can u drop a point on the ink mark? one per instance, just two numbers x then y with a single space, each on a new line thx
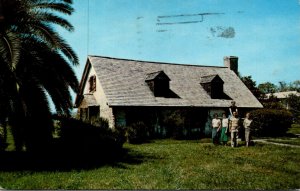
161 30
182 17
222 32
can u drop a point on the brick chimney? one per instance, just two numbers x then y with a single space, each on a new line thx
232 63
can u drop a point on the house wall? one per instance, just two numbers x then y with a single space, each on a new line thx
164 121
105 111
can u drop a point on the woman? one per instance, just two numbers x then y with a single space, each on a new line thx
224 129
216 124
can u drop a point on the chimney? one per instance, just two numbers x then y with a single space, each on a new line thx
232 63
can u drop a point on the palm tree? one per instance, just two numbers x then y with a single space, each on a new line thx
35 61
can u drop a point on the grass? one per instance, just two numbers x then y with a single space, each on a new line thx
295 129
171 164
291 141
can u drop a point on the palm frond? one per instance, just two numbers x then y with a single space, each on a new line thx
59 7
45 32
51 18
10 48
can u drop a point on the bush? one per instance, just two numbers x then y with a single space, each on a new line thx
120 134
137 133
270 122
78 136
3 135
174 121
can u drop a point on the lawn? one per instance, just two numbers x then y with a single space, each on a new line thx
170 164
295 129
284 140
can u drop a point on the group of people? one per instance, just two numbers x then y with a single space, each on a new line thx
231 124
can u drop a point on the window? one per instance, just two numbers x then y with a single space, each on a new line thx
159 84
213 85
92 84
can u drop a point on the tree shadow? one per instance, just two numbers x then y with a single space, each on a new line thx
68 161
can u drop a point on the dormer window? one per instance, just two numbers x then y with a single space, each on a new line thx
92 84
213 85
159 83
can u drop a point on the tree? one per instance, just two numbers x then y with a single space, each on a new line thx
34 61
294 106
267 87
251 85
296 85
283 86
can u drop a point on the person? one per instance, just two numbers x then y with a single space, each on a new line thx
247 122
216 124
224 129
232 108
233 127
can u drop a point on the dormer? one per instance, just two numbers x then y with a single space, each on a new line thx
159 83
213 85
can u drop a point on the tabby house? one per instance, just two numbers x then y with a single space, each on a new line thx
129 91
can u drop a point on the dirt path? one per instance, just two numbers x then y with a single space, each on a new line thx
280 144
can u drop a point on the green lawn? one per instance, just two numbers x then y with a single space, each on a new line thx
170 164
291 141
295 129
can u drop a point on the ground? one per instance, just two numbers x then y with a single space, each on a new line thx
164 164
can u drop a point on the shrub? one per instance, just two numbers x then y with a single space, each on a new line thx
137 133
270 122
78 136
99 122
120 134
174 121
3 134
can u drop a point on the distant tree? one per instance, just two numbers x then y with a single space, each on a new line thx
292 86
296 85
267 87
251 85
283 86
294 106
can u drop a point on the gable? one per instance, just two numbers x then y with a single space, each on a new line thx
159 75
125 84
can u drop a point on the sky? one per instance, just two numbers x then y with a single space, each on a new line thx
264 34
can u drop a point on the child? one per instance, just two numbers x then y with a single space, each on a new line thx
224 129
232 108
247 122
216 124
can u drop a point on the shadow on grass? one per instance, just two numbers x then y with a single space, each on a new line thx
67 161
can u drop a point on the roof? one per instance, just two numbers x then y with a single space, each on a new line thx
209 78
123 82
88 100
282 95
154 75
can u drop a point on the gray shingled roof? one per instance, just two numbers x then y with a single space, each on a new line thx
208 79
153 75
123 82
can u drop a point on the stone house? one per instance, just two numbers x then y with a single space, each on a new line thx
125 91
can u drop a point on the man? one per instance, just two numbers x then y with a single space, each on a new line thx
233 128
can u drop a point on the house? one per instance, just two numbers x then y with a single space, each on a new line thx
125 91
282 97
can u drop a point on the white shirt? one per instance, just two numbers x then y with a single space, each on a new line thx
225 122
215 123
247 123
